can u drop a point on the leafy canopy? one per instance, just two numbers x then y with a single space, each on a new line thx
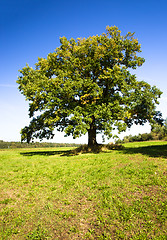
85 86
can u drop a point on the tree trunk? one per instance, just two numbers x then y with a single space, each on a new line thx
92 134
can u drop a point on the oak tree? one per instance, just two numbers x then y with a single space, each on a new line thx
85 86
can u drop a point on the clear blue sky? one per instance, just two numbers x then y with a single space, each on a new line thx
31 28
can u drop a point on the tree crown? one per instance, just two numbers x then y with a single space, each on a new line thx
85 85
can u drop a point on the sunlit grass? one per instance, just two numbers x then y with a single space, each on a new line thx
117 194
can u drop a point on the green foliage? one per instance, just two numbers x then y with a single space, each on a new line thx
158 132
86 86
12 145
137 138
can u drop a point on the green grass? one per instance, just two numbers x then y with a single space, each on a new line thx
117 194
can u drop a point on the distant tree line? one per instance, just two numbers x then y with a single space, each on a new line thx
158 132
4 145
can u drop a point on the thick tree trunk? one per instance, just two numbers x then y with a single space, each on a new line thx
92 134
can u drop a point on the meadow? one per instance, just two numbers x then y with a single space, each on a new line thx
117 194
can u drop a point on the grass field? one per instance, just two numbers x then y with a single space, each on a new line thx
117 194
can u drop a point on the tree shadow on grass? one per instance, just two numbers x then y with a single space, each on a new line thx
47 153
151 151
83 149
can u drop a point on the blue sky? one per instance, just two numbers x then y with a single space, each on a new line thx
31 28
